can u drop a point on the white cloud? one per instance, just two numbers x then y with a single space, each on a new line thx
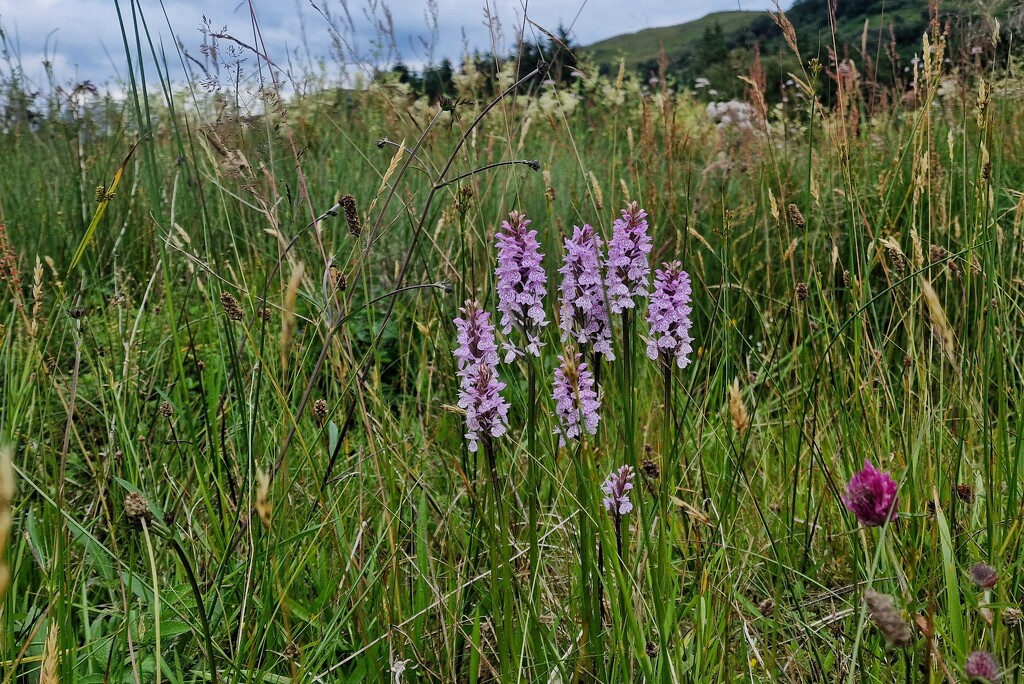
82 38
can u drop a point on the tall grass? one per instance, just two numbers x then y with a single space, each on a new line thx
233 464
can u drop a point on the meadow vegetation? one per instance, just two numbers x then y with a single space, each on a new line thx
233 405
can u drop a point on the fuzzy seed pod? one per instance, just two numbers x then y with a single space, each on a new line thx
887 618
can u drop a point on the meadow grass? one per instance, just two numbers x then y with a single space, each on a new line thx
233 423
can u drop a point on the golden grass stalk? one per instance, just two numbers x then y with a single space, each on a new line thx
940 324
291 295
48 672
6 499
740 417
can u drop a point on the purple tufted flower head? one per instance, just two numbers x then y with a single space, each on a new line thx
628 270
479 387
871 496
576 401
521 284
476 339
982 665
583 314
486 410
669 316
616 489
984 575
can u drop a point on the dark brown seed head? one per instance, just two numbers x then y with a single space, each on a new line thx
899 262
766 607
1011 617
166 410
795 217
801 291
651 469
965 493
348 203
136 508
652 649
936 253
231 307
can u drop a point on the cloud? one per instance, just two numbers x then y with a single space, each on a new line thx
82 40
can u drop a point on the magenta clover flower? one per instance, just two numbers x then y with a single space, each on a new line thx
521 284
583 314
616 489
983 666
627 267
669 316
576 401
871 496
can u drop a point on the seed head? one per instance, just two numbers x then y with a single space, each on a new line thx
136 508
795 217
651 469
1011 617
320 408
231 307
348 203
801 292
890 623
166 410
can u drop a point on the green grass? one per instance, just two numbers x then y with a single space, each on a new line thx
292 539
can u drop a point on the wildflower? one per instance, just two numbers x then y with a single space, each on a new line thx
669 316
583 315
982 665
628 270
890 623
576 400
320 408
166 410
476 339
521 284
984 575
616 489
486 410
480 389
871 496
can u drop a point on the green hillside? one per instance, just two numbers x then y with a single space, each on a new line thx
882 34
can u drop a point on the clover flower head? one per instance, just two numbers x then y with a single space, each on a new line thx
871 496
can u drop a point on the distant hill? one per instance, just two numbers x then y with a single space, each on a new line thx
720 45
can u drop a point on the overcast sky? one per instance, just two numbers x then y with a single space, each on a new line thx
82 39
